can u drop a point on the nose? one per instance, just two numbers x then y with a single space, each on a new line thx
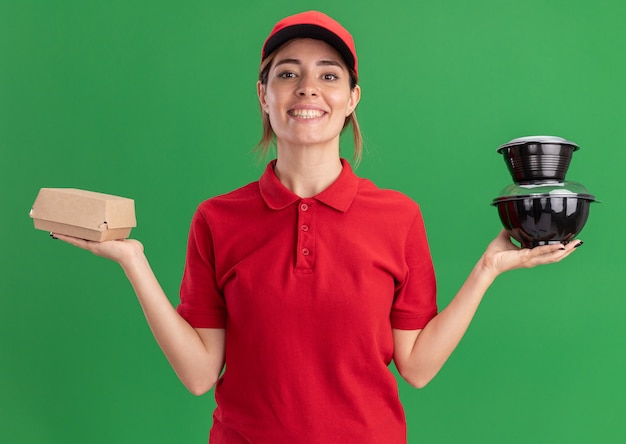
307 87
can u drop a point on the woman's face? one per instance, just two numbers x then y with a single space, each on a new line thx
307 95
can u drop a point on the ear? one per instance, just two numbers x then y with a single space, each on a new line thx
355 97
261 93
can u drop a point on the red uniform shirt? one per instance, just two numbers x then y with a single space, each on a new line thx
308 291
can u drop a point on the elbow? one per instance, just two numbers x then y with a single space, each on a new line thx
417 382
416 379
197 390
200 387
200 379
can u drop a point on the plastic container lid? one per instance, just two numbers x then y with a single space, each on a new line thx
553 140
547 189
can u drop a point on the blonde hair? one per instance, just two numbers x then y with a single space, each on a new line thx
268 138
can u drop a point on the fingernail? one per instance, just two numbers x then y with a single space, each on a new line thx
578 244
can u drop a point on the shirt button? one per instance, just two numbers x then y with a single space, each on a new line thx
305 251
304 228
304 207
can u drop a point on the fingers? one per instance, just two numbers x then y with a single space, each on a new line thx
548 254
80 243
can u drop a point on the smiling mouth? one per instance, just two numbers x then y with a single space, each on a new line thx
306 113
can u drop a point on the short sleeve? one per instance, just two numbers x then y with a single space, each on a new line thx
202 304
415 300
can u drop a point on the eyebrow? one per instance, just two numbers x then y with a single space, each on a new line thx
299 62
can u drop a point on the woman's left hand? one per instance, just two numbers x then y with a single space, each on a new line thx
503 255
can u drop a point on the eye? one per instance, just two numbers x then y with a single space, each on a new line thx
286 75
330 76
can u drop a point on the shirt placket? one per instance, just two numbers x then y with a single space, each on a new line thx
305 250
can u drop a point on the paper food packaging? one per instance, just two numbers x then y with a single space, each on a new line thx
84 214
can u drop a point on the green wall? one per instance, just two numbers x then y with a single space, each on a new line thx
155 100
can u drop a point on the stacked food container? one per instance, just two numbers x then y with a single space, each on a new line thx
541 207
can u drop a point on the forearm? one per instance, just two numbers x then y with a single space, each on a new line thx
436 342
419 355
197 364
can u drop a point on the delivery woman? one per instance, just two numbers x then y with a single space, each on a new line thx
300 288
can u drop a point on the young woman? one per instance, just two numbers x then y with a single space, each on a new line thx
303 286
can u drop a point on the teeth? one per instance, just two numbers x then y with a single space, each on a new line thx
306 113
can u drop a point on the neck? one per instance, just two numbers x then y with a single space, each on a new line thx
307 172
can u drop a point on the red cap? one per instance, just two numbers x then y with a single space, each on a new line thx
314 25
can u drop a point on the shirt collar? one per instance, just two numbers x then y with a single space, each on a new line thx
339 195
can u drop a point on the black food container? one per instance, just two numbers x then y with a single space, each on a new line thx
538 158
544 213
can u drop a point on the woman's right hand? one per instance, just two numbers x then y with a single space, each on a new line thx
197 355
119 251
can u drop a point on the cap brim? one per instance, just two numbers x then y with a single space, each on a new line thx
312 32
